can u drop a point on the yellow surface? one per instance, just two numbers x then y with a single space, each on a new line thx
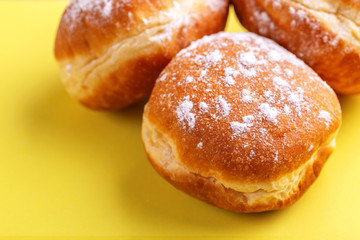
69 171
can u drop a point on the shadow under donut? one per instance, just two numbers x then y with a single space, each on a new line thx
108 145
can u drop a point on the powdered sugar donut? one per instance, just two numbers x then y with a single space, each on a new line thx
241 123
110 52
325 34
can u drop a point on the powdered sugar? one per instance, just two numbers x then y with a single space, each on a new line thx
184 115
279 81
289 73
248 58
176 16
274 55
334 42
244 126
214 57
203 107
246 96
276 4
215 5
269 96
230 74
189 79
249 72
102 8
294 98
203 73
276 157
239 128
287 109
270 113
229 80
292 10
107 8
325 116
223 106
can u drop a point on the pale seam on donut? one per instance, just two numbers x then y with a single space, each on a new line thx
298 174
168 160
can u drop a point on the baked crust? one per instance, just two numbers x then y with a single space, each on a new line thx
325 34
110 52
161 155
236 114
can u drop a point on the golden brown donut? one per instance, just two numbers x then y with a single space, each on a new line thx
325 34
110 52
241 123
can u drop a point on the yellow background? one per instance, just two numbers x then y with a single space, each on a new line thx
69 171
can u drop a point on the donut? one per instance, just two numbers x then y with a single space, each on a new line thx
324 34
110 52
239 122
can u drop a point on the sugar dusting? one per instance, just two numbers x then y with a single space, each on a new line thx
77 8
223 106
280 82
270 113
184 115
215 5
203 107
325 116
214 57
248 58
230 74
180 13
189 79
239 128
246 96
302 17
234 99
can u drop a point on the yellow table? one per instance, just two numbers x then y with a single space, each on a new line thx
69 171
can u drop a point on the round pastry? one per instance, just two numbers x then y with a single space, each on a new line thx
324 34
110 52
239 122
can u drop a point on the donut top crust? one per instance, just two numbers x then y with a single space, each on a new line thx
341 19
325 34
343 8
240 108
92 25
